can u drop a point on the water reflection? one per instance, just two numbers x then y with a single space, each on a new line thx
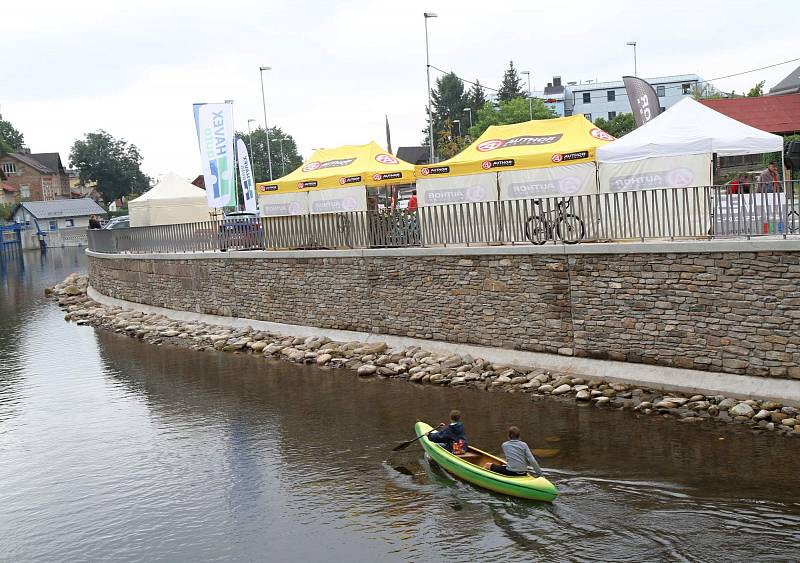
115 449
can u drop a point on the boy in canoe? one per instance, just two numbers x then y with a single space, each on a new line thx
452 436
518 457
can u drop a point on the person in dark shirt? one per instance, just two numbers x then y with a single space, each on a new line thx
452 436
93 222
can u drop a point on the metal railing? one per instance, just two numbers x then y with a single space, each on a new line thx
665 214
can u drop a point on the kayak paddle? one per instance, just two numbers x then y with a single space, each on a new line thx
404 445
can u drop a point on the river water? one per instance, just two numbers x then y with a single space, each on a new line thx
115 449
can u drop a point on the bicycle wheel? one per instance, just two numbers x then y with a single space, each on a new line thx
793 222
570 229
536 230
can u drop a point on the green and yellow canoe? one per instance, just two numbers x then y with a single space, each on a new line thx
469 467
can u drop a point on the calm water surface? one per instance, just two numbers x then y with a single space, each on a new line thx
115 449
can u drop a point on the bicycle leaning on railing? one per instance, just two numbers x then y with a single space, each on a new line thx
543 225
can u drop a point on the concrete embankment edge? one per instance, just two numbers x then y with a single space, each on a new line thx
786 391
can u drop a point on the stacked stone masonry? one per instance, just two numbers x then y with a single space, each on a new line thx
737 312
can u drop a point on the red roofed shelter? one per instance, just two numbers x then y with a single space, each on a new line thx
773 114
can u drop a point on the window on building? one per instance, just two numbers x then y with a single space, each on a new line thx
53 225
10 167
25 191
587 97
686 88
588 116
611 95
612 114
660 91
69 222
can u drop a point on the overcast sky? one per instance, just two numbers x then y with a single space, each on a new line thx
135 68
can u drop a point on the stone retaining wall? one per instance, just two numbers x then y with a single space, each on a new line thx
736 312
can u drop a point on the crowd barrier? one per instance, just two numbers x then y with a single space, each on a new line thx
666 214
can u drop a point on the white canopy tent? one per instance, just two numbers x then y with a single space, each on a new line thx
675 149
173 200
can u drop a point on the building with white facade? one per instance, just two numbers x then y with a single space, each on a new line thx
609 99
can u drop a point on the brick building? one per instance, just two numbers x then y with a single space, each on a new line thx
36 177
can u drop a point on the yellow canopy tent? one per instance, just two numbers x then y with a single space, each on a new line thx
364 165
333 181
534 158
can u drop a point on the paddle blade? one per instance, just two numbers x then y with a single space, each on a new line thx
403 446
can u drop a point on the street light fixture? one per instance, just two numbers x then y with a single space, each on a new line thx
261 70
459 125
469 111
283 158
530 100
635 69
428 70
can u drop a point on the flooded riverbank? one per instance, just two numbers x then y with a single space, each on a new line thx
114 448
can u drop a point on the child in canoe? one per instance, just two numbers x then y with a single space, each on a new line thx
518 457
452 436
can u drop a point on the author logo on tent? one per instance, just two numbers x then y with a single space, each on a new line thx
349 180
488 164
315 165
602 135
268 188
388 176
384 158
435 170
521 141
570 156
308 184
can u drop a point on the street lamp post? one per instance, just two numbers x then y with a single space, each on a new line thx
530 100
428 69
635 69
283 158
459 125
250 136
261 70
469 111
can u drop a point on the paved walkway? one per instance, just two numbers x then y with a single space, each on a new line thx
666 378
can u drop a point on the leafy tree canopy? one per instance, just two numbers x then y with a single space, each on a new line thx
113 164
11 140
619 126
757 90
476 98
282 163
512 85
512 111
449 143
449 101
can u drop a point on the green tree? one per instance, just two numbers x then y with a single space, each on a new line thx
282 163
512 85
113 164
619 126
476 97
757 90
506 113
449 143
706 92
7 211
11 140
449 101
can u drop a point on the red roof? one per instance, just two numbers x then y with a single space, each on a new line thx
774 114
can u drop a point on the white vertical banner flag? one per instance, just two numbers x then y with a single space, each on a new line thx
246 176
214 124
